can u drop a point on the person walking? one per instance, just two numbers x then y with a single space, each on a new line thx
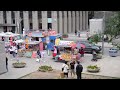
82 52
39 55
72 67
65 69
14 49
79 69
75 32
7 64
94 56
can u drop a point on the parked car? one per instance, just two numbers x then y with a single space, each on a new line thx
90 47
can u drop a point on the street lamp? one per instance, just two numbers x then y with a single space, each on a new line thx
103 32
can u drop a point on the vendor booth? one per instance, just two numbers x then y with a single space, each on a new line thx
32 47
9 38
67 53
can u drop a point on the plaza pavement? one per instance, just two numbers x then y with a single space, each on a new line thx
110 66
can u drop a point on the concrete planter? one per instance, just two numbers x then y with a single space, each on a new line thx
19 65
93 70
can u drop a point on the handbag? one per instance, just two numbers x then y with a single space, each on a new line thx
63 68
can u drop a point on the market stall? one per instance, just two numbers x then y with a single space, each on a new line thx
9 38
35 36
31 49
67 53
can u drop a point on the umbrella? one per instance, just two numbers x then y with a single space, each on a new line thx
82 45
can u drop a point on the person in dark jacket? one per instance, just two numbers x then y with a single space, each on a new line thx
82 52
79 69
75 32
7 64
38 53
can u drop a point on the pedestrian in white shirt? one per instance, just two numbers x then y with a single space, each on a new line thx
14 48
65 69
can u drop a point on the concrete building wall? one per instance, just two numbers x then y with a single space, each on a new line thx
77 20
44 20
1 20
69 22
66 23
35 20
9 21
73 20
60 22
26 20
17 21
54 21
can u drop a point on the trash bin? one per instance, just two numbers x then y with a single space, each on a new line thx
113 52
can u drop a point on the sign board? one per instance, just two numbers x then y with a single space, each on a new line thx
47 40
49 20
66 43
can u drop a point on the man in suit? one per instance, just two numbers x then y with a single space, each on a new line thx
79 69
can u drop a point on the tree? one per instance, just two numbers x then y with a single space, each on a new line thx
112 28
95 38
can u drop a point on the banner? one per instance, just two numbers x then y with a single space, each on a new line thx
66 43
57 41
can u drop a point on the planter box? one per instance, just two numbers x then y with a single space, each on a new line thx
19 65
65 36
93 70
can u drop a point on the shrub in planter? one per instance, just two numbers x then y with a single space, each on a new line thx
45 68
19 64
65 36
93 68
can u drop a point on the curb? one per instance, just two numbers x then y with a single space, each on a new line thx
25 75
101 75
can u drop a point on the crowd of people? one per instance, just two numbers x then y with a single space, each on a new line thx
74 67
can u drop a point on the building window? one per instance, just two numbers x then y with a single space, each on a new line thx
49 14
5 29
13 29
58 21
31 25
30 14
12 14
39 15
49 25
21 14
13 21
40 25
39 18
4 17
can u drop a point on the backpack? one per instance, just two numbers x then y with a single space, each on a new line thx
79 68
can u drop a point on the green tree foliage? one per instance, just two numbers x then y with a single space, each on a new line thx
113 26
95 38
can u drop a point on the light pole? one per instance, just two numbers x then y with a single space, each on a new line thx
103 32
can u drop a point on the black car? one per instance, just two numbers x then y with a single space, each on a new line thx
89 48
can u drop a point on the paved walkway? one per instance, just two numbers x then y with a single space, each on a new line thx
110 66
